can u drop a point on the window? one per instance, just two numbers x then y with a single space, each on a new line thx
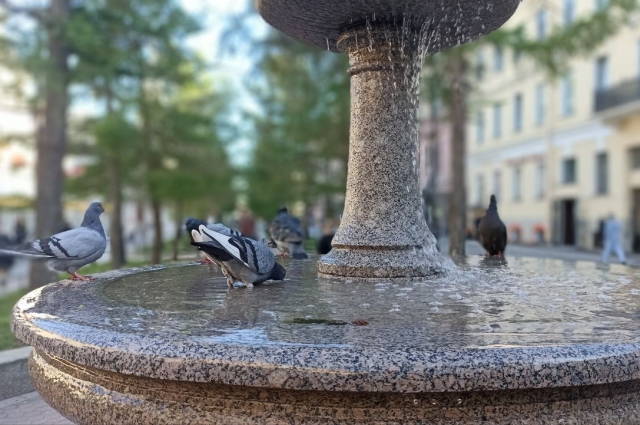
517 112
498 59
602 73
569 171
497 120
516 193
541 24
479 65
568 12
602 173
480 127
497 185
601 5
479 189
540 106
566 93
634 155
539 180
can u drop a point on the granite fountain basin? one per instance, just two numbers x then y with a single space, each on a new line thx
492 343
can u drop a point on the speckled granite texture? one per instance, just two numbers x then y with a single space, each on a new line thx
96 397
496 344
383 233
320 22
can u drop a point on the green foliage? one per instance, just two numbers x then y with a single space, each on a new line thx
301 132
166 133
7 340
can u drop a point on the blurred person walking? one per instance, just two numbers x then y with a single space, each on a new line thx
613 240
20 230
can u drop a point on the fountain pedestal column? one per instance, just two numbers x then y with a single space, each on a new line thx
383 233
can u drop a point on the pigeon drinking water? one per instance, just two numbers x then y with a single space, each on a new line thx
492 231
286 231
70 250
241 259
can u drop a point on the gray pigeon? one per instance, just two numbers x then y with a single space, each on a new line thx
193 224
492 231
286 231
69 251
241 259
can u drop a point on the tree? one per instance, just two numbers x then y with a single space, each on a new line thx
132 56
301 131
51 142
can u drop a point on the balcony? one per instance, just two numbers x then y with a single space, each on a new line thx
619 100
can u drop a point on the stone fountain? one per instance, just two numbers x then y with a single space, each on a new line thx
534 341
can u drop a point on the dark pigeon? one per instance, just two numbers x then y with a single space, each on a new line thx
286 231
492 231
241 259
70 250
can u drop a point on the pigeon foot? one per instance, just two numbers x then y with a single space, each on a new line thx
76 276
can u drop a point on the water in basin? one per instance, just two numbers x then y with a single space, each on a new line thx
526 302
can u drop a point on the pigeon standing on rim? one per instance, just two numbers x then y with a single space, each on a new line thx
241 259
492 231
194 224
286 231
70 250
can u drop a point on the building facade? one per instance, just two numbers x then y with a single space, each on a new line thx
559 154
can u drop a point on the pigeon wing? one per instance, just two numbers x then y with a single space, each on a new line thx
221 228
252 254
234 245
74 244
260 255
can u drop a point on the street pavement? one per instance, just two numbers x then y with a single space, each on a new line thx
566 253
29 409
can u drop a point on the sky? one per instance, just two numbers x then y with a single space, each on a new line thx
232 69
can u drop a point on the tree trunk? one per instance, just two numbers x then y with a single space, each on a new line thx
156 250
118 257
51 146
457 216
178 235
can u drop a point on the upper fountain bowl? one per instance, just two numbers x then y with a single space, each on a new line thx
448 23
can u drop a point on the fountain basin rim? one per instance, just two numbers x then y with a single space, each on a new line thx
330 368
320 22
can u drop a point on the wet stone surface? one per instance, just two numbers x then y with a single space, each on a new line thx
476 326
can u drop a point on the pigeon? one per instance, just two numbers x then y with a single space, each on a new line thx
324 245
286 231
273 246
70 250
492 231
241 259
194 224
